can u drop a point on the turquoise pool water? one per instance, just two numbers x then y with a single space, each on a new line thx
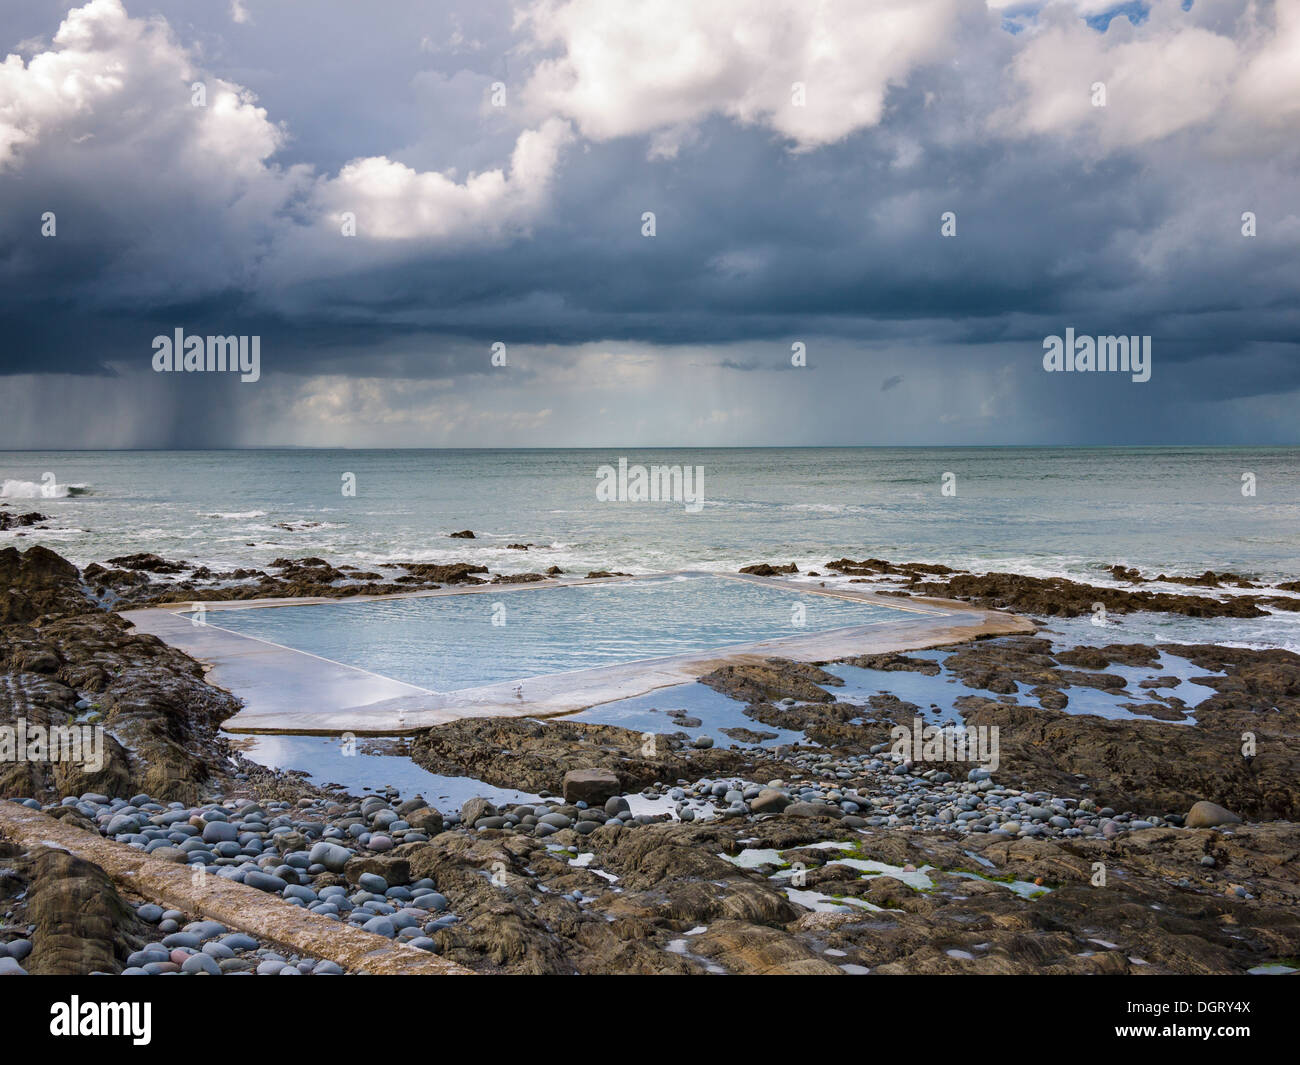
447 643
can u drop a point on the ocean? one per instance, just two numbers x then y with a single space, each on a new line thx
1041 511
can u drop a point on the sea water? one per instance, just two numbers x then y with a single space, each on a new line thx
1041 511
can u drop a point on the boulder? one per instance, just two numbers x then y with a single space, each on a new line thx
1208 815
593 786
81 924
36 582
770 801
476 808
426 820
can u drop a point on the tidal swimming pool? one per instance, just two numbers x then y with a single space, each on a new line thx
452 642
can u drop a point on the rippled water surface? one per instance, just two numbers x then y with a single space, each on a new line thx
445 643
1034 510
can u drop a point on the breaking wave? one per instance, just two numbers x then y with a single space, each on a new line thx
42 490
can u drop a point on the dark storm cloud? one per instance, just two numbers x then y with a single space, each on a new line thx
756 245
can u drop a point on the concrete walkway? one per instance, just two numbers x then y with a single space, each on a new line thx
290 691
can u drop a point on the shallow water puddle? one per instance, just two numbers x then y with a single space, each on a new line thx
325 761
679 946
583 861
1023 888
915 879
699 703
751 858
929 692
815 900
643 804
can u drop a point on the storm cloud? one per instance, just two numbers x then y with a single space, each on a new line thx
438 222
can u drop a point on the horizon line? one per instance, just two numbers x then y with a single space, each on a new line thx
651 447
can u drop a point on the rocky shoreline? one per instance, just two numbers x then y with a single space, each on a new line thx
1149 843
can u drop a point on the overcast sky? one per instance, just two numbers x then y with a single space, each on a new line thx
498 159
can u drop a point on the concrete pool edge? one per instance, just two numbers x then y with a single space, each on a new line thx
291 692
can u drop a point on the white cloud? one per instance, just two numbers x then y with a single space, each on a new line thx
103 73
665 65
1233 74
393 202
1083 7
1269 86
194 199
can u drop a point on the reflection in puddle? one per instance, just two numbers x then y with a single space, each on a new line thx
934 695
323 759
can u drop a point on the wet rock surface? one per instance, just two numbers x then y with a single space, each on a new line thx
136 580
776 894
1093 846
36 582
534 756
63 915
1061 597
1139 763
10 520
778 678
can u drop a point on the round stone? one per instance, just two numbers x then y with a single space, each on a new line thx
220 832
330 855
201 963
380 926
265 881
372 882
183 939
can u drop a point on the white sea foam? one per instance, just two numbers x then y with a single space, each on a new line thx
15 489
1044 513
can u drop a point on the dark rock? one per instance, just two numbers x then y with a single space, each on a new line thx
592 786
